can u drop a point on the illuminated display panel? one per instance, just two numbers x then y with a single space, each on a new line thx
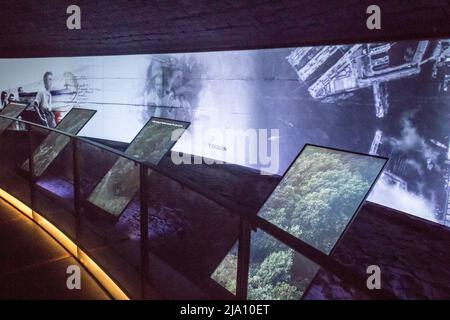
55 142
320 193
119 185
315 201
386 99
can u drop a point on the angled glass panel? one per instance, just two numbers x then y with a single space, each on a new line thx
113 244
320 193
190 237
226 272
14 149
118 186
53 189
277 272
55 143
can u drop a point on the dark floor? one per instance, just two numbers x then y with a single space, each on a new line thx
33 265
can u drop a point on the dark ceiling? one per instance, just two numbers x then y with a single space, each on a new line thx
38 28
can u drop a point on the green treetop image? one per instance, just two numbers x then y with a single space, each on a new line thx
320 194
315 201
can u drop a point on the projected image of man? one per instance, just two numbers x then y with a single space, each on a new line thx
43 102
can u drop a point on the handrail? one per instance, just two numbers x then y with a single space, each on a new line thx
36 125
223 202
96 144
217 199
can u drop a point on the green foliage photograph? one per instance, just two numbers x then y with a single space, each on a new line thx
315 201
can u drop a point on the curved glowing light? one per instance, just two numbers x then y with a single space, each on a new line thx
108 284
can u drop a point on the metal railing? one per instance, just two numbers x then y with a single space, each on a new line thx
248 221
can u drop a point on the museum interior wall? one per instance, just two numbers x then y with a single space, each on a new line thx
229 166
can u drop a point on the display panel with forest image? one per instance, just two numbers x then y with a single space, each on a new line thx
320 193
315 202
119 185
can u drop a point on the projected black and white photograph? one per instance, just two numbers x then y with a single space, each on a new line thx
118 187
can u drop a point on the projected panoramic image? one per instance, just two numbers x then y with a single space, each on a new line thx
389 99
119 185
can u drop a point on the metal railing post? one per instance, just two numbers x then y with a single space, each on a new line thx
144 227
76 188
31 177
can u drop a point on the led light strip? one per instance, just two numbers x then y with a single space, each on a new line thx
109 285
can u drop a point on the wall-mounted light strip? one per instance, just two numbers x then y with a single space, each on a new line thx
101 276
